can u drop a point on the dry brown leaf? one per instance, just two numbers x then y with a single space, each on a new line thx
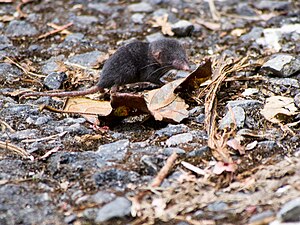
196 78
165 105
279 108
85 105
162 21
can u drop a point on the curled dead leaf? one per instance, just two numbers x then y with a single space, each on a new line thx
279 108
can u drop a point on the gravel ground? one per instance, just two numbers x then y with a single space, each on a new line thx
61 169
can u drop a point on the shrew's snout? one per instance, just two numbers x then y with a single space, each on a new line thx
181 65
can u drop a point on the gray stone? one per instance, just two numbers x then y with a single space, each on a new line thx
29 120
21 204
283 65
18 28
261 216
288 82
199 134
297 100
71 120
254 34
179 139
244 9
243 103
75 162
156 2
34 48
140 144
272 5
182 223
179 73
42 120
239 118
199 152
5 42
172 129
116 178
142 7
269 145
101 8
290 211
169 151
88 59
86 20
70 219
77 128
250 91
114 151
120 207
6 171
182 28
102 197
24 134
8 73
54 80
51 64
18 111
162 12
138 18
74 37
196 110
273 37
200 118
154 37
151 164
217 206
90 213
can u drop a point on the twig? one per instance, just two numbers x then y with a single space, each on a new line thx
217 140
19 7
80 67
16 149
45 138
215 14
51 109
25 70
54 26
193 168
136 206
164 170
61 28
242 78
56 149
6 125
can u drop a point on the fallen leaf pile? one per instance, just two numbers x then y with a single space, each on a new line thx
164 103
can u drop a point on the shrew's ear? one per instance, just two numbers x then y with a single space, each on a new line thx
157 56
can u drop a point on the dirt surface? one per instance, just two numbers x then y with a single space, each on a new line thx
58 168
